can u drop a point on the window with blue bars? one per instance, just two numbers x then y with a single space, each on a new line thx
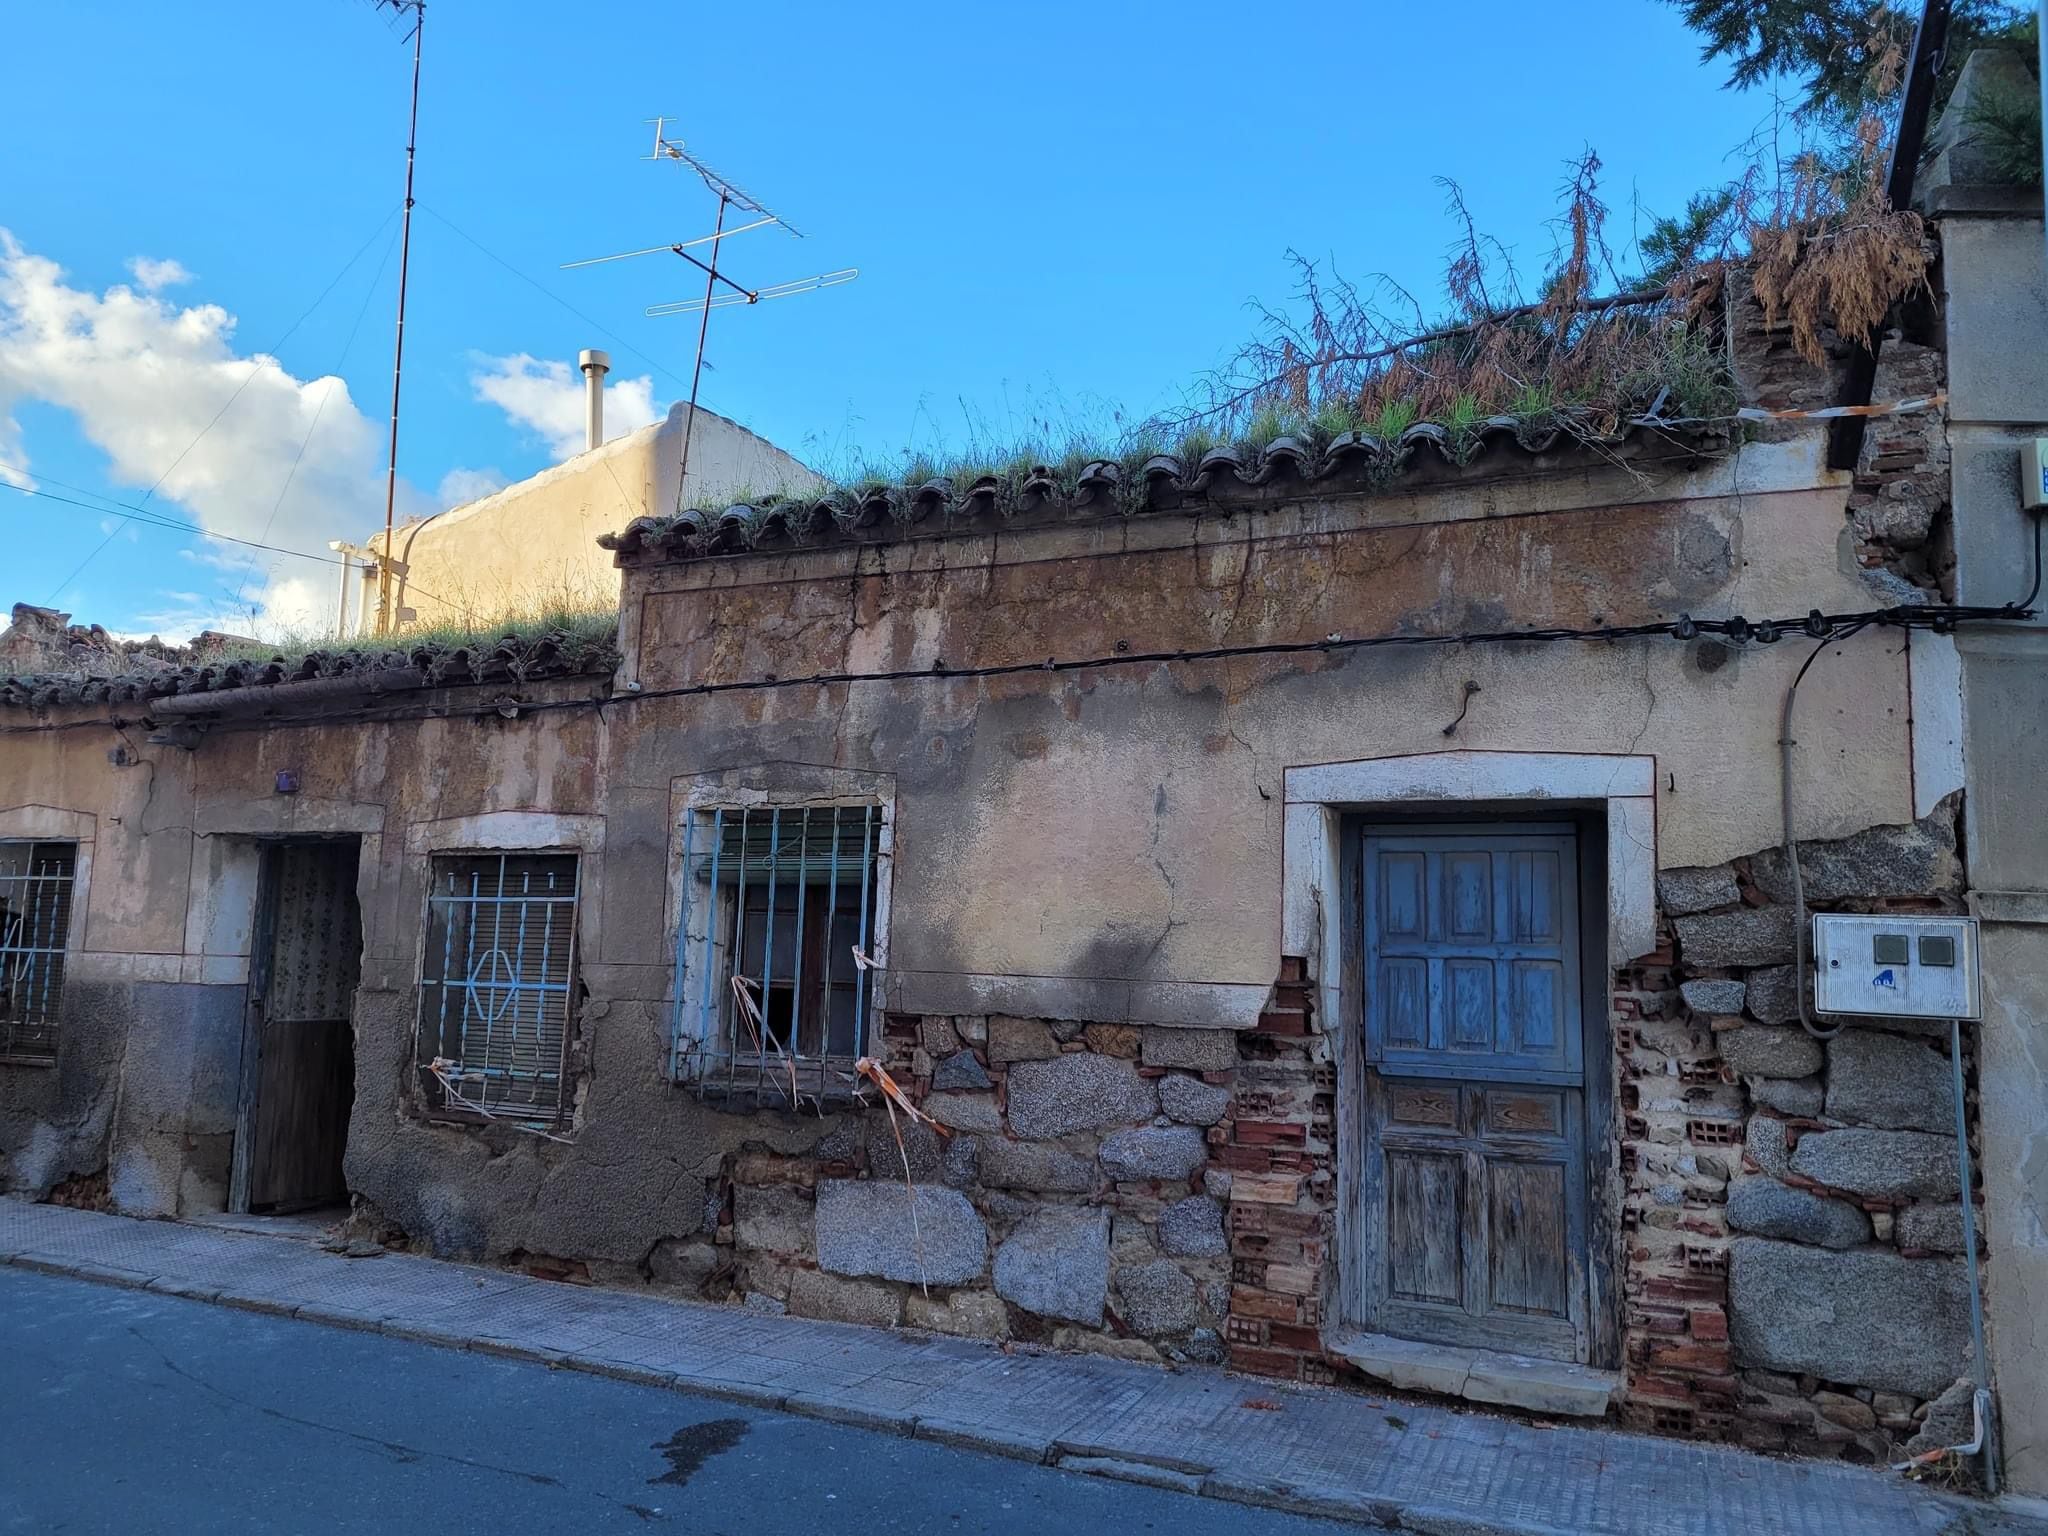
35 928
778 915
497 980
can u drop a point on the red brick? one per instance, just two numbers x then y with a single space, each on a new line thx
1281 1189
1290 1022
1267 1133
1659 1388
1244 1159
1709 1323
1294 1279
1264 1362
1246 1302
1707 1359
1293 1336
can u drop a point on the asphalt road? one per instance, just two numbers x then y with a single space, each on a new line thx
131 1412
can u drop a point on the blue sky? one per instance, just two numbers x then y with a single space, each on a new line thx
1059 211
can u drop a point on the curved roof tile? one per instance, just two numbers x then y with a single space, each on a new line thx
1228 476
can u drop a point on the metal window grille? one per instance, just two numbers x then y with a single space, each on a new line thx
496 981
35 923
775 903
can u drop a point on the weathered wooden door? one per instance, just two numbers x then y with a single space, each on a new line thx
298 1053
1475 1114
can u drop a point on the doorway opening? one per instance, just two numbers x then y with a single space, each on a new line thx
298 1041
1484 1053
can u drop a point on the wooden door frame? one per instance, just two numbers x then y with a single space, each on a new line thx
262 940
1346 1028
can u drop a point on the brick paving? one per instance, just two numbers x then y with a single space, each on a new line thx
1400 1464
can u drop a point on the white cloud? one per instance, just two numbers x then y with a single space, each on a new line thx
545 399
144 377
156 275
461 485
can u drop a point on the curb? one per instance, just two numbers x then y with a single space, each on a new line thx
1083 1458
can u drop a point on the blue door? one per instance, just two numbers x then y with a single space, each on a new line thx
1475 1104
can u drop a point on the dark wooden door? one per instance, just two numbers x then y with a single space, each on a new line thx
1475 1117
298 1072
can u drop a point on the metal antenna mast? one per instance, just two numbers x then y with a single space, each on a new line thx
730 196
417 9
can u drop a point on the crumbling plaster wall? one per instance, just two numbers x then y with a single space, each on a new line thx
1087 866
1167 776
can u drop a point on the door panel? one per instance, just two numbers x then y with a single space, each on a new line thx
1404 996
1494 928
1475 1099
300 1087
1424 1193
1525 1221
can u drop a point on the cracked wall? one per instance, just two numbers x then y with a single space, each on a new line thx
1091 858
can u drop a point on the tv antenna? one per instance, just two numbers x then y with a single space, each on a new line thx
731 196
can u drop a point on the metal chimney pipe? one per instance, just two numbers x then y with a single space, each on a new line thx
595 366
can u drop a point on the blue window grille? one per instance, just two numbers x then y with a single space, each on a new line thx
496 982
772 990
35 925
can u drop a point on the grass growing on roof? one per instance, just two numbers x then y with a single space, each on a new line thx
571 623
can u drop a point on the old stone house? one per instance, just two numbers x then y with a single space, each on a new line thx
1331 901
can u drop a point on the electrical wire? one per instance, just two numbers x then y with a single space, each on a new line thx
2023 608
546 292
265 359
1830 627
334 381
134 513
1785 745
2026 603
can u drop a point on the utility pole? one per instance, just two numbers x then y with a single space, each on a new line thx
418 9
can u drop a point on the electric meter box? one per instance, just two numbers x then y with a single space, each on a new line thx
2034 474
1904 967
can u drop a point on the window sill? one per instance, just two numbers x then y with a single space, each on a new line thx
27 1061
828 1084
470 1119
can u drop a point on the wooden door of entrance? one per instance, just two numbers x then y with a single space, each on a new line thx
298 1050
1475 1112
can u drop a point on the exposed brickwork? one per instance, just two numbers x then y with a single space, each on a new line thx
1678 1119
1279 1147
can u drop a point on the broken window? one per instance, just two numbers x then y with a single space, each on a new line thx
779 912
35 924
496 983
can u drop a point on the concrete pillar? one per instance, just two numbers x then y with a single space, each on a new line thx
1995 308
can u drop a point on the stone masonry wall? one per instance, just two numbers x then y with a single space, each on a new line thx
1792 1215
1071 1204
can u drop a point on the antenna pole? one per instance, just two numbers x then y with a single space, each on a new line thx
412 134
703 327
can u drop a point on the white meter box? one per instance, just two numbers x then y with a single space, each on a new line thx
1905 967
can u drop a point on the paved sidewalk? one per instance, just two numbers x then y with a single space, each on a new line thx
1398 1464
